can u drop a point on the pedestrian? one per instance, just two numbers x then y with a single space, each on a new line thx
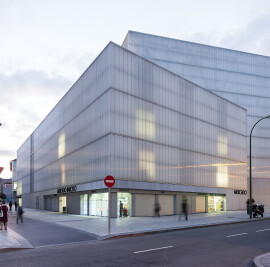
10 205
157 209
16 205
121 209
20 214
4 213
185 209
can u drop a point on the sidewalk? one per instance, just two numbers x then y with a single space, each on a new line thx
126 226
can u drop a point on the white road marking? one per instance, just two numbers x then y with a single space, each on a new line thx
152 249
237 234
262 230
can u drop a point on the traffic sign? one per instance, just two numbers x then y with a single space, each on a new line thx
109 181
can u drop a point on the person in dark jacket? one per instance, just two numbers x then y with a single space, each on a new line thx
20 214
16 205
10 205
4 219
185 209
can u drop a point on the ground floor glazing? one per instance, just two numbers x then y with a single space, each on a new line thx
125 204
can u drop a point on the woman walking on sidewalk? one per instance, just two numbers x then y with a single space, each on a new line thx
4 219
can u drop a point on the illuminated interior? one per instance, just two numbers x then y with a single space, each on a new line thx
222 145
145 124
63 174
61 145
222 176
147 163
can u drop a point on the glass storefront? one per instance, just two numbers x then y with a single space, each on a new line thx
216 203
98 204
84 204
124 204
63 204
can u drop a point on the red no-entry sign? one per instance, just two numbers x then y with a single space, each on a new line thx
109 181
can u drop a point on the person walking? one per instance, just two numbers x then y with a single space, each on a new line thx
185 208
10 205
20 214
16 205
157 209
4 218
121 209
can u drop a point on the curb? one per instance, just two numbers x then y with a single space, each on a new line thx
257 261
149 232
11 249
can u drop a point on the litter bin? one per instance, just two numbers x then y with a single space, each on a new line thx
249 209
64 209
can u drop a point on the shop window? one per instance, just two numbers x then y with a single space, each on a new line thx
216 203
98 204
84 204
124 207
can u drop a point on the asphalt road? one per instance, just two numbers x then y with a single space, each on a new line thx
228 245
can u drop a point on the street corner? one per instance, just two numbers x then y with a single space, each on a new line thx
10 240
262 260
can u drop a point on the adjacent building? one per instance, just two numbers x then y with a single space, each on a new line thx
6 188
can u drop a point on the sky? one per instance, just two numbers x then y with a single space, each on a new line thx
46 45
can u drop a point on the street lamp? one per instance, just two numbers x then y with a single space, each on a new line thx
250 167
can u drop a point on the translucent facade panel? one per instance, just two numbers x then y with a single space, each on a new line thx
91 85
152 83
88 164
151 122
66 147
139 160
88 126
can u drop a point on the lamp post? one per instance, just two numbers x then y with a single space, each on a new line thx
250 166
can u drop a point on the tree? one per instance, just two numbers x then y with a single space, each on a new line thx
3 196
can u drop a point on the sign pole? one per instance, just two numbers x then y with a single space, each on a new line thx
109 224
109 181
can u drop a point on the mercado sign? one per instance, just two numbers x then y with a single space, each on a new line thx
67 189
240 192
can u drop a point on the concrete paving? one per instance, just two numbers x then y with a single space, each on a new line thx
127 226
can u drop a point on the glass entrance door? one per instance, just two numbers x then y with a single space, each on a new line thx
124 205
98 204
63 204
